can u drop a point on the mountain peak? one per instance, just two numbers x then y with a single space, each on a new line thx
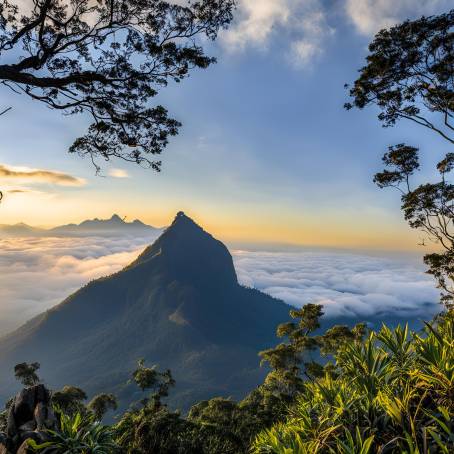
115 218
192 254
183 221
179 305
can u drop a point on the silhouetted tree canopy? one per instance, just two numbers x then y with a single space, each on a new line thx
69 399
108 58
428 207
409 74
149 378
101 404
26 373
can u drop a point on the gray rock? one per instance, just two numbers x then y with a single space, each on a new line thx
3 443
29 417
28 426
24 448
44 417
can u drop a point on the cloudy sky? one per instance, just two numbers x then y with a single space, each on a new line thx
267 152
38 273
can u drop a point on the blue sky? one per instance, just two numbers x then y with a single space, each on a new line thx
266 152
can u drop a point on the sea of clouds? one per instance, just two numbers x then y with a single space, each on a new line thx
37 273
347 284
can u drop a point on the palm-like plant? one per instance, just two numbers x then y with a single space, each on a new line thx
357 445
78 435
391 393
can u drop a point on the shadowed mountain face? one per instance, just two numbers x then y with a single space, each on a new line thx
178 305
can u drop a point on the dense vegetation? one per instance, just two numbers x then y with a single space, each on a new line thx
390 391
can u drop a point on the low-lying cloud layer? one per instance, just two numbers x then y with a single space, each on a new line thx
346 284
37 273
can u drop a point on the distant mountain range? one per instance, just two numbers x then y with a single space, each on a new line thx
111 227
178 305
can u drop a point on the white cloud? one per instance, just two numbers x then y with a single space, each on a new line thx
311 44
303 23
256 21
370 16
26 174
305 26
37 273
118 173
346 284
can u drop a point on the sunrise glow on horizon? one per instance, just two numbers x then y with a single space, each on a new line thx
267 153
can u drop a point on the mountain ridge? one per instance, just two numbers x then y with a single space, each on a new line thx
179 305
113 226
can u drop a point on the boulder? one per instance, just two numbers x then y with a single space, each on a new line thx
24 448
29 417
3 444
44 417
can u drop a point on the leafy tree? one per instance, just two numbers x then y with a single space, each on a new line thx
428 207
292 362
26 373
101 404
409 74
69 399
236 422
108 59
286 359
149 378
147 431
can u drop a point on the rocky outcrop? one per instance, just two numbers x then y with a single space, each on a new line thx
30 416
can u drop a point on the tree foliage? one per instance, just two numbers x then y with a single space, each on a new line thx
385 392
77 434
391 393
26 373
108 59
69 399
409 74
149 378
294 361
101 404
428 207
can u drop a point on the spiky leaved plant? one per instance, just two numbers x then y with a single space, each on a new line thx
391 393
